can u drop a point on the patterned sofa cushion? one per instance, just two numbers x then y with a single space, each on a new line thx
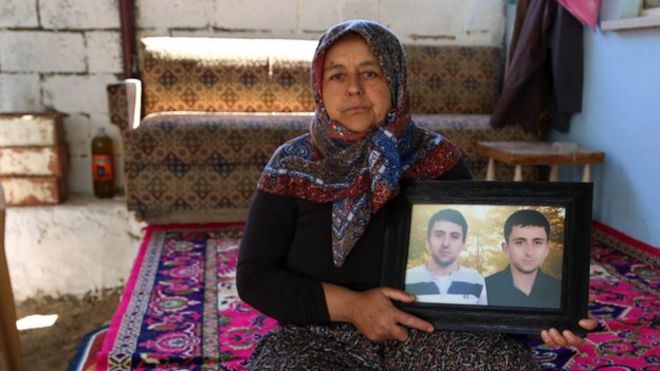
188 163
249 75
201 167
454 79
202 138
226 75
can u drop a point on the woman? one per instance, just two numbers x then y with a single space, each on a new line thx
312 248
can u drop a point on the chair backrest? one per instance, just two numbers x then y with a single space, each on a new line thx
269 75
226 75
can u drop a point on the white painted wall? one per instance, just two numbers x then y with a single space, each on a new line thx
465 22
73 248
61 54
621 116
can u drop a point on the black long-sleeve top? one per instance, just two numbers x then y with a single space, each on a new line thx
286 253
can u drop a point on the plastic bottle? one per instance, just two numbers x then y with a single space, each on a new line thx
103 173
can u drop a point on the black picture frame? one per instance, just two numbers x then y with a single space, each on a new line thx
574 198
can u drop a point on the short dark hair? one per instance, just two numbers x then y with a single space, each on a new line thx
524 218
449 215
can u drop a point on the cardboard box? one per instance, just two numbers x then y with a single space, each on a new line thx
30 129
33 190
44 161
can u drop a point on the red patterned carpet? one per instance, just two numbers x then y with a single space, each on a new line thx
180 310
627 305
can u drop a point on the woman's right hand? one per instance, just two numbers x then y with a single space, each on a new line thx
379 320
373 313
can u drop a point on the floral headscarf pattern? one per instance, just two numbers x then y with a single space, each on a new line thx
358 172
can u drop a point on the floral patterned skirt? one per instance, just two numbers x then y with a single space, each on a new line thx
341 347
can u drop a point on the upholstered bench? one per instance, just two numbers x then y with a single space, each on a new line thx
215 109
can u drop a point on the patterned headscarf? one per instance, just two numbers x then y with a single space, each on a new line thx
357 172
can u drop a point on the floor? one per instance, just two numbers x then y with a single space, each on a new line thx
51 349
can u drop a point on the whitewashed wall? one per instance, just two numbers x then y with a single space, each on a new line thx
60 54
94 249
472 22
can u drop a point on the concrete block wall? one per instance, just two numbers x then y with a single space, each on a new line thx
60 54
460 22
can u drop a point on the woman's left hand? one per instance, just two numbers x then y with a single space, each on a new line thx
554 338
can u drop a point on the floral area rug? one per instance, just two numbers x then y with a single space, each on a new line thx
180 309
625 296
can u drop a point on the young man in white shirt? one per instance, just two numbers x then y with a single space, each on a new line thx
442 279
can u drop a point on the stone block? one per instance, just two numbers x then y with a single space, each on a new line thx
37 161
259 14
485 23
104 51
78 134
79 14
318 15
360 9
80 175
140 34
74 94
20 93
321 14
33 190
435 21
39 51
39 129
18 13
202 32
174 13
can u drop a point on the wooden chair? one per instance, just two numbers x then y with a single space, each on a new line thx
10 346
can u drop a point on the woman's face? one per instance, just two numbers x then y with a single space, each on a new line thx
355 89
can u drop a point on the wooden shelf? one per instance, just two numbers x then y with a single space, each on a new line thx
631 23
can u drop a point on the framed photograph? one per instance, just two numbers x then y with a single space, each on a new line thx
507 257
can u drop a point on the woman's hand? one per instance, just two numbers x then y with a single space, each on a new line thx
379 320
554 338
372 312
